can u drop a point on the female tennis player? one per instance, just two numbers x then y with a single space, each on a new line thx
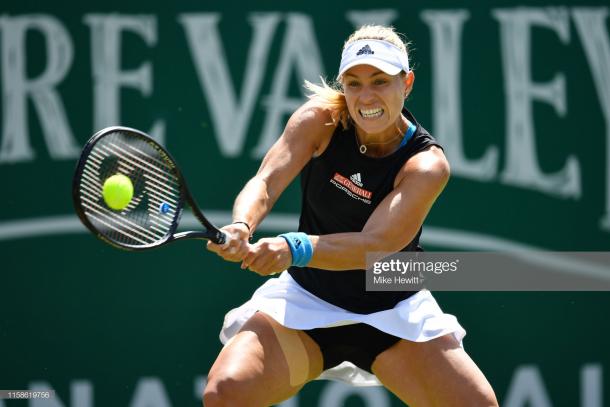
369 175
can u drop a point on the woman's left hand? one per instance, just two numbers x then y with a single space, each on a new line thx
268 256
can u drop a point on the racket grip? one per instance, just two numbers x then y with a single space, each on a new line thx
221 238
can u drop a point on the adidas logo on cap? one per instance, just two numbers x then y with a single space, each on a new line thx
365 50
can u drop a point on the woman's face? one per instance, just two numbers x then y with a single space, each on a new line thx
374 98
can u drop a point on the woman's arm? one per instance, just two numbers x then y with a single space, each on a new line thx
392 225
396 220
306 133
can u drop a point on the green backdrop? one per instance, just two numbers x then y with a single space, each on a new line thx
517 93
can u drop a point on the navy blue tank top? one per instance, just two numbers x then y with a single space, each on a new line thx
340 190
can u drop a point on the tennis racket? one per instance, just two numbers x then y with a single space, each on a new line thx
151 218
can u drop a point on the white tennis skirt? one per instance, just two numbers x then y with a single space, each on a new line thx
417 318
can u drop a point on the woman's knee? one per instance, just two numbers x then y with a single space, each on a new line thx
224 392
485 396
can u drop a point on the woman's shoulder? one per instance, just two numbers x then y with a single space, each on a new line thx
314 120
430 163
314 113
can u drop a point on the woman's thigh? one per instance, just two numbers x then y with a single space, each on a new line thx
434 373
264 364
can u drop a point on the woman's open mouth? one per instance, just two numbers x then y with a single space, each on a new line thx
371 113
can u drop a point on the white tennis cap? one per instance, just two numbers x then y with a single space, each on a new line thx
378 53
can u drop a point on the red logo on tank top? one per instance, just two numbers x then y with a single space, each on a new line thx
340 180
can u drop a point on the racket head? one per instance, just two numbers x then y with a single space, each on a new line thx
152 216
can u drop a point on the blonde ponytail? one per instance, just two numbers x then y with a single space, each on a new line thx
332 98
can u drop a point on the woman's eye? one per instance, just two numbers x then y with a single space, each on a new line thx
353 84
380 81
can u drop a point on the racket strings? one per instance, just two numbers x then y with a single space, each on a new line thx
153 212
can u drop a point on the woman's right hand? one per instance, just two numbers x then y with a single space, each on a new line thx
236 246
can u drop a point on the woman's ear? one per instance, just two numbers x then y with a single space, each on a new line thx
409 78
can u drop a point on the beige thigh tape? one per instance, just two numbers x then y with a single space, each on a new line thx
294 352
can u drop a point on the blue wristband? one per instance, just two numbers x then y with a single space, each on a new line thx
300 247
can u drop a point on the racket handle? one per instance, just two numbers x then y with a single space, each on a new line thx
222 238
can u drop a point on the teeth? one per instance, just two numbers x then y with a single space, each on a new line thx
368 113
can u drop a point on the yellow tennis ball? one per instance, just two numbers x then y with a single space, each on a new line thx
117 192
